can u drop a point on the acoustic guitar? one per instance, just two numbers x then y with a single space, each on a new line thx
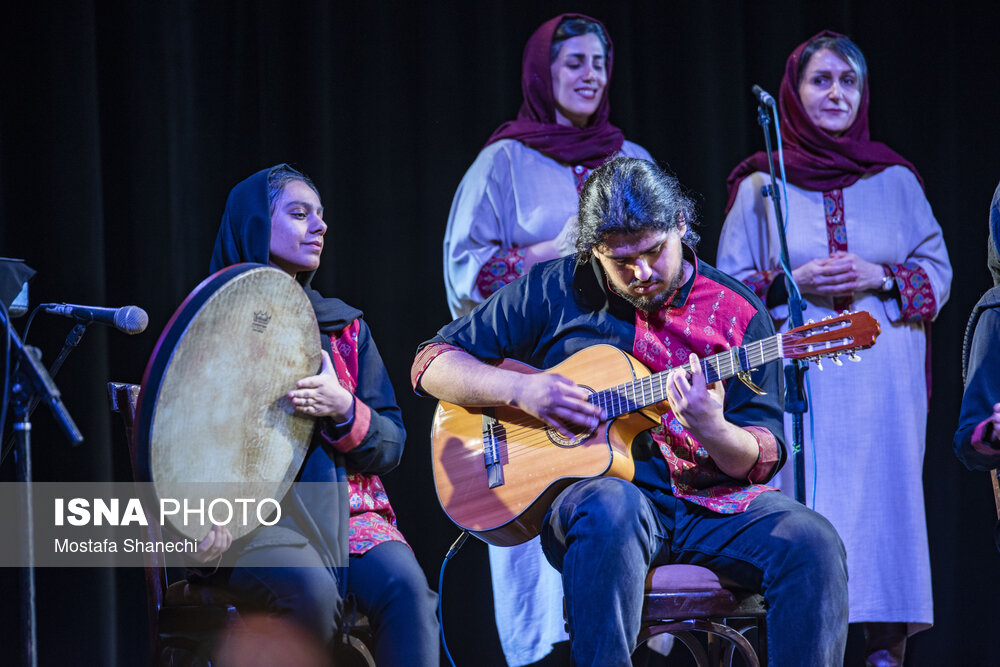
498 469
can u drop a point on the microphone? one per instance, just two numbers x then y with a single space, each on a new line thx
127 319
762 96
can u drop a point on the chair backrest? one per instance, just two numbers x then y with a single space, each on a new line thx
995 478
123 398
355 644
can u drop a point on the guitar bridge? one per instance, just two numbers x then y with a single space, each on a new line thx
493 435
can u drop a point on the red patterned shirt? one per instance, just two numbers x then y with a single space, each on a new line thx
712 319
372 520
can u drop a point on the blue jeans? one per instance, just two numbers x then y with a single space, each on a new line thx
387 583
604 534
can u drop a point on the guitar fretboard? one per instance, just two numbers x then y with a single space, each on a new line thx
643 392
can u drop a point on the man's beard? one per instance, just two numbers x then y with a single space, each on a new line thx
652 304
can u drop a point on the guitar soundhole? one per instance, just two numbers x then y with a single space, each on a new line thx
559 440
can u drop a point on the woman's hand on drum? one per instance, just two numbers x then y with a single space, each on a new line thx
840 274
213 545
323 396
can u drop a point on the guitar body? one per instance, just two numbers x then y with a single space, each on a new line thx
536 463
497 470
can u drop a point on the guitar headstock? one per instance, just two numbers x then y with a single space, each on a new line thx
831 336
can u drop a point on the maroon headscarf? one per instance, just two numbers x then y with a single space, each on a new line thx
815 160
536 126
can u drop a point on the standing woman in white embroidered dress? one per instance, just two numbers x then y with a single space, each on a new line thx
861 236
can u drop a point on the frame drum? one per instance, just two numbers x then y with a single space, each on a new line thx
214 422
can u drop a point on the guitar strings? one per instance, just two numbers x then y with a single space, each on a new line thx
522 434
649 390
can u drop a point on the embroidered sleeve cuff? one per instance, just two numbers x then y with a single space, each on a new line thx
767 459
916 295
979 439
423 360
501 269
760 282
359 428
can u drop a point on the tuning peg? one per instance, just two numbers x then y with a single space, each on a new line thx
836 360
853 356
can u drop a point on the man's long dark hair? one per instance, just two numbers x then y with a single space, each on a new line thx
631 196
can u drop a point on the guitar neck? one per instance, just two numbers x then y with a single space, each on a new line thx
643 392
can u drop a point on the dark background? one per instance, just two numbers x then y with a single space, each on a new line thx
123 125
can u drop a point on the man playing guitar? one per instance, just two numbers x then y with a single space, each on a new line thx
697 493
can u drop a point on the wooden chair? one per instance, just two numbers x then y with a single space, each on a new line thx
995 479
184 619
681 599
187 620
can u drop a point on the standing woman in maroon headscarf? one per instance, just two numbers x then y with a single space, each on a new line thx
515 207
861 236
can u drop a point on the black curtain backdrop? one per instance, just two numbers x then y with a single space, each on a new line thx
123 125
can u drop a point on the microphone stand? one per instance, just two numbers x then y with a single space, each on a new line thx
73 339
795 399
29 381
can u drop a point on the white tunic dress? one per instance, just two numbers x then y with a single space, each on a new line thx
513 196
865 429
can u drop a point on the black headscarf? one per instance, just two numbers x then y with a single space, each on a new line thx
993 249
245 236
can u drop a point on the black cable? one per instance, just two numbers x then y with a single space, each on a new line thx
455 546
27 326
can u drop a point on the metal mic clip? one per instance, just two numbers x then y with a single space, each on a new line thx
762 96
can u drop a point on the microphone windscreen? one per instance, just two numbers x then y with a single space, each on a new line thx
131 319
